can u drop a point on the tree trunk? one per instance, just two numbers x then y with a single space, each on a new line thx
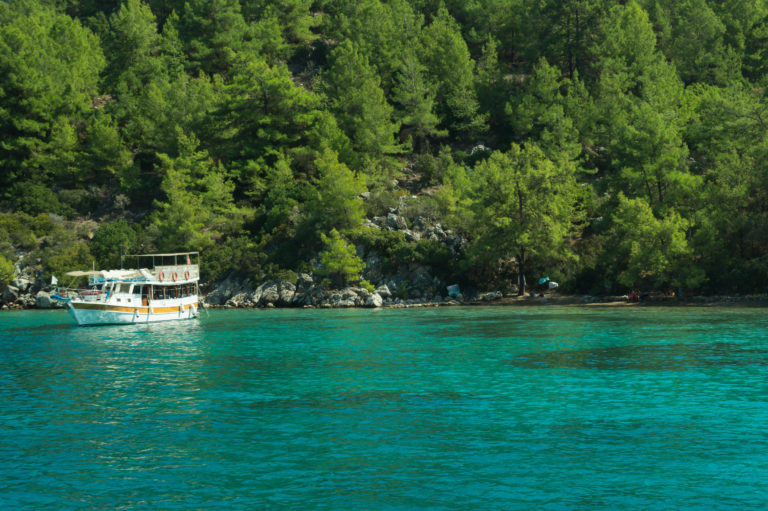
521 273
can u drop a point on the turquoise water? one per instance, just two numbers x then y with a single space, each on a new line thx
439 409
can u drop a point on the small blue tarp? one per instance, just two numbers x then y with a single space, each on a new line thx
543 280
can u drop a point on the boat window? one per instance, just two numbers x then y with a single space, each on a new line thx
137 290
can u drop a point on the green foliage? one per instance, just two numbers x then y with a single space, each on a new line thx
6 270
238 255
66 257
199 208
49 71
62 247
524 208
396 252
336 203
353 89
262 115
23 230
652 253
447 59
380 201
112 240
212 31
417 100
538 113
402 291
338 261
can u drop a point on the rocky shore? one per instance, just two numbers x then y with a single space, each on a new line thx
27 290
25 293
233 293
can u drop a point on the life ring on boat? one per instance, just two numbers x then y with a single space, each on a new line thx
161 276
174 276
186 274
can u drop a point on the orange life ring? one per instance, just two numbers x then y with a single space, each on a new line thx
174 276
186 274
161 276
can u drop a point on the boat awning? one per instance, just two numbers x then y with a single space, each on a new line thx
107 274
121 274
82 273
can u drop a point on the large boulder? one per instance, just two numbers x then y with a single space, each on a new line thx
396 222
383 291
270 293
241 299
301 298
10 294
343 298
22 284
43 301
374 300
285 291
305 282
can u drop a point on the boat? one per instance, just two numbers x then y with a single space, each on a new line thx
166 289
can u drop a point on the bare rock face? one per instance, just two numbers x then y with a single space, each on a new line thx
224 291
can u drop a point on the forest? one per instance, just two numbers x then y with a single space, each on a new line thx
611 145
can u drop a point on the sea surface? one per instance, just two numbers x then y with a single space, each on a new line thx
480 408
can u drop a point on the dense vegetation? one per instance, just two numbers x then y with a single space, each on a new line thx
608 144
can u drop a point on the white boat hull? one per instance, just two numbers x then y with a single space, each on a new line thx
106 314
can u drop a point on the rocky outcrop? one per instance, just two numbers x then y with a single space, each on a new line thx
422 229
21 292
307 293
229 288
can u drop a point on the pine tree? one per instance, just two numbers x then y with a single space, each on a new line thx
338 261
356 99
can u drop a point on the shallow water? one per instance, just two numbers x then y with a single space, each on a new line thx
440 409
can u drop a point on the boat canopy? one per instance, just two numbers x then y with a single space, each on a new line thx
107 274
82 273
122 274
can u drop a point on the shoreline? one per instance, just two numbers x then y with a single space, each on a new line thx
755 301
751 301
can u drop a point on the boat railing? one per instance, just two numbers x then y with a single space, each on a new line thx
183 272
